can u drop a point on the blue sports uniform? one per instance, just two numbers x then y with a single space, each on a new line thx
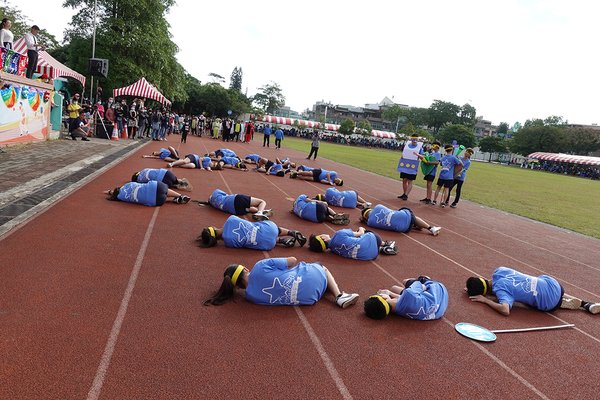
346 199
222 201
385 218
261 235
272 283
364 247
416 303
148 174
305 210
230 160
323 176
447 170
466 164
542 292
304 168
438 157
226 153
274 168
143 193
253 157
164 153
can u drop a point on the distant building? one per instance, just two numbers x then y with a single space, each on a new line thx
484 128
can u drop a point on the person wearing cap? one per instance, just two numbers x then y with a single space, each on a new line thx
169 155
318 211
421 298
460 179
238 233
446 178
429 178
403 220
192 161
542 292
78 127
318 175
346 199
281 281
32 50
161 175
407 166
359 245
239 204
151 194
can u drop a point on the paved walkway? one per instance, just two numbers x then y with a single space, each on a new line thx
36 172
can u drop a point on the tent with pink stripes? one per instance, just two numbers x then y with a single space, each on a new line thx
585 160
48 65
142 88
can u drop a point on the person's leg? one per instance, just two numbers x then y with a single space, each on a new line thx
458 191
420 224
316 151
445 194
177 198
257 205
341 299
435 196
409 186
332 286
429 190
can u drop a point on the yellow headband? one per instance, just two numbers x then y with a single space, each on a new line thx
322 242
212 232
236 274
382 300
484 285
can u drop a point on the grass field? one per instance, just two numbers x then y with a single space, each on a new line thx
565 201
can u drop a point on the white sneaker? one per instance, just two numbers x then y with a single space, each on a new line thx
366 205
346 299
260 216
435 230
570 304
594 308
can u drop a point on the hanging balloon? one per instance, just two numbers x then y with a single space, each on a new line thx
33 97
24 91
9 96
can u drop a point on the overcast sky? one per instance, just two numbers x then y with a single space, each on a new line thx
512 59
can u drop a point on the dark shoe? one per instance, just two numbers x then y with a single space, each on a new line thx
308 158
84 139
434 202
73 137
424 200
453 205
403 197
389 250
300 238
288 242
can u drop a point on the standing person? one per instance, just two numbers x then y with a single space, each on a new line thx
132 123
249 132
194 125
74 108
32 50
237 130
407 166
155 120
421 298
446 178
278 138
430 177
360 244
226 129
460 179
185 129
164 125
119 117
6 36
110 112
142 122
267 135
314 147
542 292
280 281
216 128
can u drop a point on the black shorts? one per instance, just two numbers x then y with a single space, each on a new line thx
161 193
410 177
447 183
562 293
174 156
321 211
269 164
241 203
193 159
413 220
219 153
169 179
429 178
316 174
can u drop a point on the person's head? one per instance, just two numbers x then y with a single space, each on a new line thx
436 146
364 215
414 138
35 29
448 148
338 181
469 152
293 165
208 237
241 165
112 194
134 178
376 307
81 114
280 173
5 23
234 275
320 197
318 243
477 285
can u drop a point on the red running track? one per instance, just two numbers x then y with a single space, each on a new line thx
104 300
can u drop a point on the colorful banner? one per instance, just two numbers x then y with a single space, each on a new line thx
24 114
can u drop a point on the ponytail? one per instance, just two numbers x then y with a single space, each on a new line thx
225 292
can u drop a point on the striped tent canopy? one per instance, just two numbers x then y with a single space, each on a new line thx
585 160
142 88
48 65
312 124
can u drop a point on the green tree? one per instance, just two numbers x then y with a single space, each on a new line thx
462 134
364 128
20 26
270 97
492 144
502 129
535 137
235 81
408 130
582 141
395 114
468 116
417 116
216 78
347 127
442 113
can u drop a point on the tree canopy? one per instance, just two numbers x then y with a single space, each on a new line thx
236 79
270 97
492 144
347 127
462 134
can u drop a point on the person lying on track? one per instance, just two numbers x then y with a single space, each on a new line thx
231 163
281 281
318 175
318 211
192 161
420 298
402 220
161 175
152 194
239 204
542 292
346 199
237 232
252 159
360 244
169 155
220 153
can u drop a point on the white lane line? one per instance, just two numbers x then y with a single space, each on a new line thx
94 392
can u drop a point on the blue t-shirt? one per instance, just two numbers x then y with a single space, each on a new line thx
416 303
139 193
253 157
364 247
272 283
205 162
447 170
278 134
332 175
227 152
438 157
276 167
542 292
164 153
305 210
148 174
346 199
466 165
222 201
304 168
261 235
267 131
390 220
230 160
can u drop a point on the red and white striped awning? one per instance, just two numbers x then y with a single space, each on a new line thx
312 124
47 64
142 88
585 160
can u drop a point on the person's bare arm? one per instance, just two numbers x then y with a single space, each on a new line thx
502 308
